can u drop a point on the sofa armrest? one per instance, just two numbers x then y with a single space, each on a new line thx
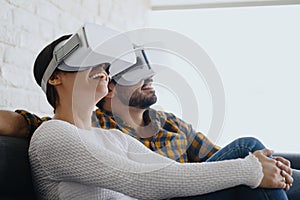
294 158
15 174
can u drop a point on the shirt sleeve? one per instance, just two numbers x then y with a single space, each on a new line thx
200 148
126 166
33 121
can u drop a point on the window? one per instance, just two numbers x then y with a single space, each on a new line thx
256 51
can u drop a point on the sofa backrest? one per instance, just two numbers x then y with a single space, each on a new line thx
15 175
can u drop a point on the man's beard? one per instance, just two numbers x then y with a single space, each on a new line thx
142 101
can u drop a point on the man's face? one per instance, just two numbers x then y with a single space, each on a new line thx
141 95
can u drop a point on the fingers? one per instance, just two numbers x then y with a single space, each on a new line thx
288 187
283 160
284 164
280 181
283 184
287 177
277 171
286 171
267 152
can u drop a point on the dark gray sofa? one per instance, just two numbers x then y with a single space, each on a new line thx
15 175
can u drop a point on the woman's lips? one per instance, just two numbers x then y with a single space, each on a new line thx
100 75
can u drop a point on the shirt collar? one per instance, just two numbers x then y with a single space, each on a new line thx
149 116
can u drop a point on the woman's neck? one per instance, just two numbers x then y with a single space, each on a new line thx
81 117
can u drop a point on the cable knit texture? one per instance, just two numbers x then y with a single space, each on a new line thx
71 163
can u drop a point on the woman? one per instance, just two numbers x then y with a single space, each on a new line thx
72 160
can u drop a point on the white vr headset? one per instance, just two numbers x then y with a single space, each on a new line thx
93 45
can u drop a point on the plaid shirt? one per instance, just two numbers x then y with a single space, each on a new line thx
174 138
32 120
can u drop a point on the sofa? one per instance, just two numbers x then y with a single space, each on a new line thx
15 175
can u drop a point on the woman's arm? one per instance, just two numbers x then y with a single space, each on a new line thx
64 153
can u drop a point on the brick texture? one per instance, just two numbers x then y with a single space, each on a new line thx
28 25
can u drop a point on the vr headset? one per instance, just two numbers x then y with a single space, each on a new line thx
93 45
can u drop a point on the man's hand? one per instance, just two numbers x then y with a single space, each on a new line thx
273 176
13 124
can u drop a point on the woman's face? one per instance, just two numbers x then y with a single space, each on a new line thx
88 86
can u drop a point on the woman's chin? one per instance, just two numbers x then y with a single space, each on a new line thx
100 96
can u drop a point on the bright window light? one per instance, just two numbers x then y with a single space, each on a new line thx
192 4
257 53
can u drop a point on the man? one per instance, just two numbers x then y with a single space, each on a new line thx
127 107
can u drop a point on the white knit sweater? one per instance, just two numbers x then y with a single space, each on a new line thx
71 163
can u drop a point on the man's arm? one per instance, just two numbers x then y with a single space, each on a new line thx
13 124
200 148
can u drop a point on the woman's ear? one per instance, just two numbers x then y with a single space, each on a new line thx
55 79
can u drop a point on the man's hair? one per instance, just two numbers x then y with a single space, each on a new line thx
40 65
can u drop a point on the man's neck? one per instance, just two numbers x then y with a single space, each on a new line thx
131 116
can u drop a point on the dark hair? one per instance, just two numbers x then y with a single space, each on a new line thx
40 65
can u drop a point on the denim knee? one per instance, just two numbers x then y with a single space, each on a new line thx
251 143
239 148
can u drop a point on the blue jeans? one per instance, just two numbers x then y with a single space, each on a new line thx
240 148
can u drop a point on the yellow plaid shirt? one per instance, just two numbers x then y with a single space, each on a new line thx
174 138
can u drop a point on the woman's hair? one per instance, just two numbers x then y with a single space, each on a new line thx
52 96
51 93
40 66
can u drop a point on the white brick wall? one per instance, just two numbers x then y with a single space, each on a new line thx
28 25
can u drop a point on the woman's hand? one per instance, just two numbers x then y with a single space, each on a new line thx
286 170
275 173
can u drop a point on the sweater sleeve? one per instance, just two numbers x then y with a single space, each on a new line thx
130 168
